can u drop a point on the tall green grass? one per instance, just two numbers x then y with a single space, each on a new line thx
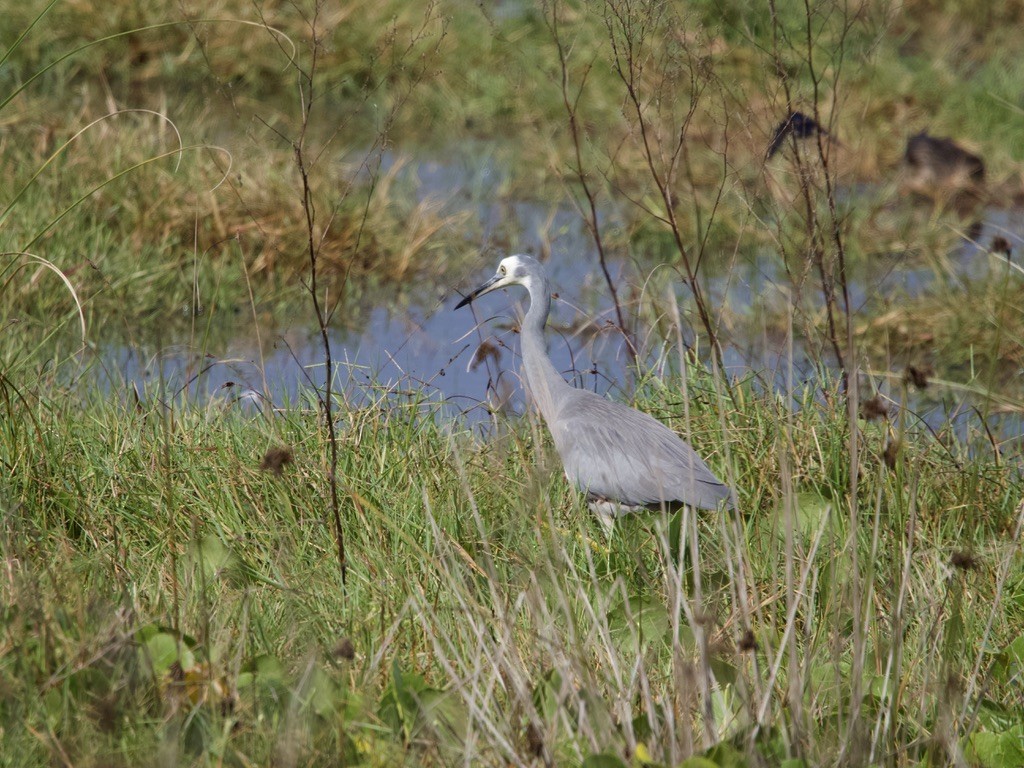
163 592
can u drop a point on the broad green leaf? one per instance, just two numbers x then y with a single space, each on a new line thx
643 622
408 703
264 669
604 760
323 694
161 650
998 750
1016 650
547 696
997 717
698 762
724 755
811 511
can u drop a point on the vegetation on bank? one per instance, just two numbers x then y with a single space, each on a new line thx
221 223
171 587
174 586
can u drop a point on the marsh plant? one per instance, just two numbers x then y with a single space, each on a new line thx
356 577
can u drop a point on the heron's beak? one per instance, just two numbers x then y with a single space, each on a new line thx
490 285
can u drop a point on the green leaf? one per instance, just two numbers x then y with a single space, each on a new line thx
323 694
642 622
604 760
212 555
409 703
996 717
53 704
218 561
811 510
725 755
443 710
998 750
698 762
547 695
161 651
724 670
264 669
144 633
1016 650
398 704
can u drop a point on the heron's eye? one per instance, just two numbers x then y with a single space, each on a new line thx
501 270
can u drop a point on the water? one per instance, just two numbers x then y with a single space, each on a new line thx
429 347
468 359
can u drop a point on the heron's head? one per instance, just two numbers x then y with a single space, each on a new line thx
512 270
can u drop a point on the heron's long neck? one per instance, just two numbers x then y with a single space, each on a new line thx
541 377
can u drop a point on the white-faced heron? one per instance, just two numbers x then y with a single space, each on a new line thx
622 459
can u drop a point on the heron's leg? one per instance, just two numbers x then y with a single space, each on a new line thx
604 510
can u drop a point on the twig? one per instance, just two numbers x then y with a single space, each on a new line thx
307 81
591 218
628 37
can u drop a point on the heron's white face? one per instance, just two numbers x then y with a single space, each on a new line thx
518 269
512 270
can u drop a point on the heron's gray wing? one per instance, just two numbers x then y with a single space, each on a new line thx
624 455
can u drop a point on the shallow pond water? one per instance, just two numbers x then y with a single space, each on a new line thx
468 359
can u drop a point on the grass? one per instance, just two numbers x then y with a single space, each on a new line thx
209 218
165 593
170 587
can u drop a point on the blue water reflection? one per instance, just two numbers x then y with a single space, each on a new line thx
468 359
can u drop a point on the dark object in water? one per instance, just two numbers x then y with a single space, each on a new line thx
939 168
1001 246
747 641
964 559
345 649
918 375
891 454
874 408
798 125
275 459
799 156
